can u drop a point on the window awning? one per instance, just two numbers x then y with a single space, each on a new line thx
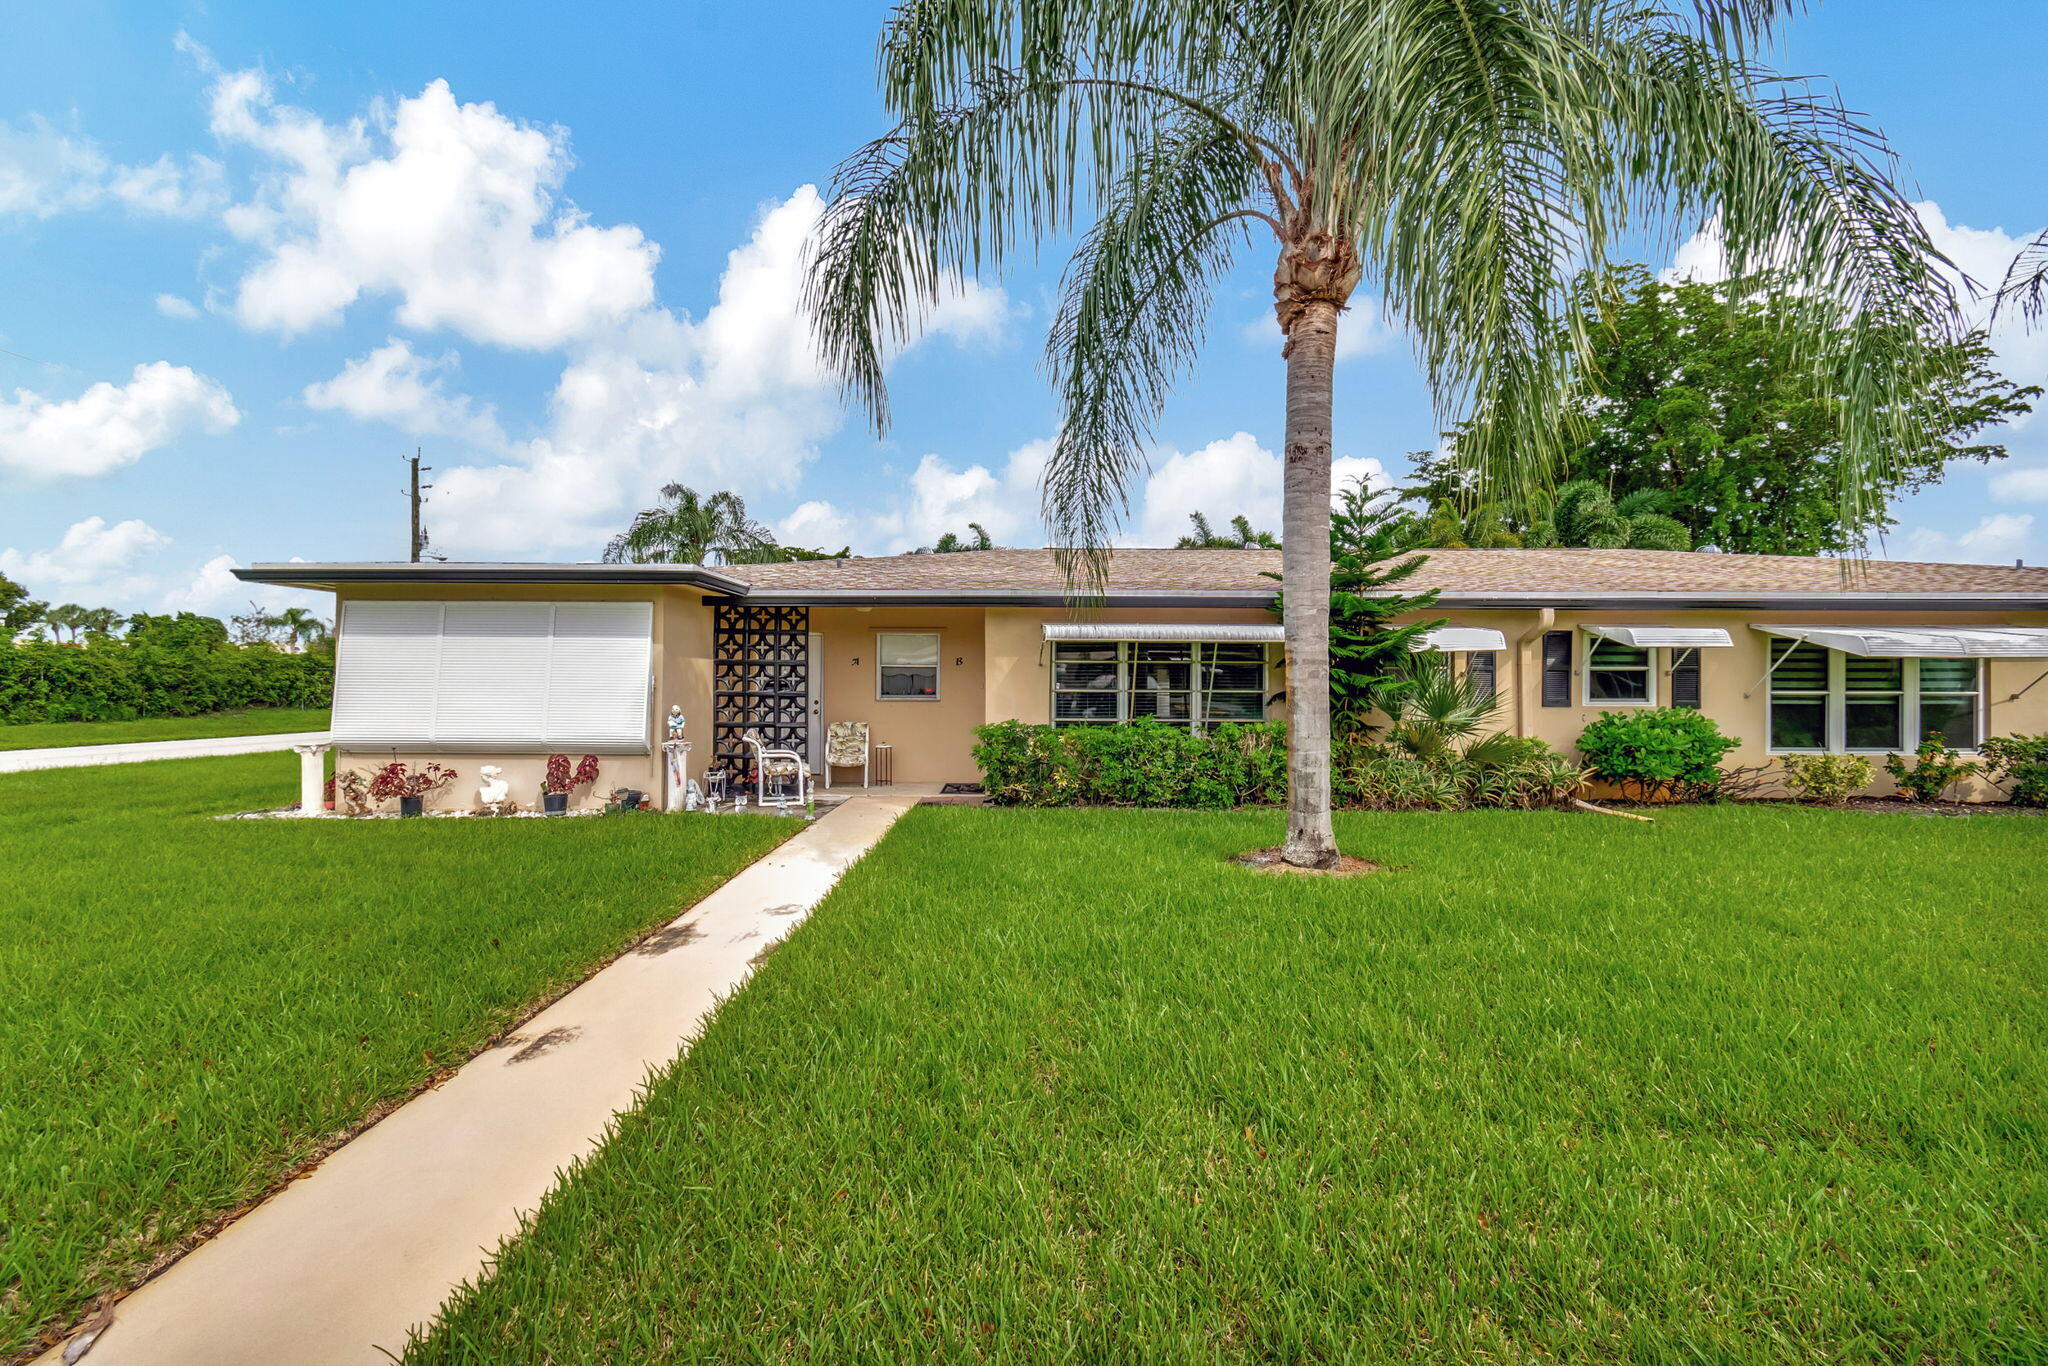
1671 637
1461 639
1891 642
1207 632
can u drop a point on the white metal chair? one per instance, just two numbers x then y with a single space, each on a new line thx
778 767
846 746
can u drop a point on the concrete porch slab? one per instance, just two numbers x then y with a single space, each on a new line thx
347 1260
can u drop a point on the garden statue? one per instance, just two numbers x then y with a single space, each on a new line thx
675 722
677 749
493 792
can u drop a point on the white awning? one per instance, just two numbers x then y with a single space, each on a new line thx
1208 632
1461 639
1891 642
1673 637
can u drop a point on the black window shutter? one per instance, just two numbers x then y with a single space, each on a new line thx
1685 680
1479 668
1557 668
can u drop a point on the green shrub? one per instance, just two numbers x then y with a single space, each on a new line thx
1144 763
117 680
1518 771
1657 752
1934 768
1828 778
2021 760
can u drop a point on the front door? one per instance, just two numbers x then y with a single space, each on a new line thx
814 708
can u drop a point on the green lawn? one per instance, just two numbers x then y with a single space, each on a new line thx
191 1006
260 721
1749 1084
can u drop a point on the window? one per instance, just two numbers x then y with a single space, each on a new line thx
479 677
1619 673
907 665
1185 685
1827 700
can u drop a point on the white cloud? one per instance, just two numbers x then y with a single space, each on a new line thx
936 498
454 209
393 384
92 561
109 426
1998 538
737 399
214 590
173 306
1222 479
815 525
45 172
2027 484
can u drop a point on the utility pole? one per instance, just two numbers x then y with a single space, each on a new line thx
419 533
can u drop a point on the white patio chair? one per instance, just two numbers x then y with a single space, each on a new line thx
780 766
846 746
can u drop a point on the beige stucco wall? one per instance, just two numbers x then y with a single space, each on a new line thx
1727 673
929 738
1020 667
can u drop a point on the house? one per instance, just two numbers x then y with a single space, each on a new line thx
509 662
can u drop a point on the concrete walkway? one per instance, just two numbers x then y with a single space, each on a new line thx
84 756
348 1259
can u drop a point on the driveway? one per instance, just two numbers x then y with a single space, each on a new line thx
83 756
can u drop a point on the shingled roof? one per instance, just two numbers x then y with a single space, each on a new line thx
1222 578
1457 573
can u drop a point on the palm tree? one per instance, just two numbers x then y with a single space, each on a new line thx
100 623
952 543
301 628
1242 537
687 528
1581 514
67 619
2026 280
1470 158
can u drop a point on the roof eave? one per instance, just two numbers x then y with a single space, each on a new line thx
327 576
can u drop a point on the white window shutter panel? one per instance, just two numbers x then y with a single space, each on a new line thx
387 674
494 672
597 679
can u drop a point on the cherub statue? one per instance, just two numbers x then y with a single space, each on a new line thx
675 722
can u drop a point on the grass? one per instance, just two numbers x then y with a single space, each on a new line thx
192 1007
1744 1085
258 721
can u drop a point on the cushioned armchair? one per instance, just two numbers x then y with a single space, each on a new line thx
846 746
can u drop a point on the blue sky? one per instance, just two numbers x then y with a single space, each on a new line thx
255 253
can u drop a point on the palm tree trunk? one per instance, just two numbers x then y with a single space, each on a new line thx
1305 583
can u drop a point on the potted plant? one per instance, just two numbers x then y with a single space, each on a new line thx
410 788
560 780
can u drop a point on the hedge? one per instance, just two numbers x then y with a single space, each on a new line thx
114 681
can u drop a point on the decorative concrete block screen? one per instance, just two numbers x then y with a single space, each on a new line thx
760 679
483 677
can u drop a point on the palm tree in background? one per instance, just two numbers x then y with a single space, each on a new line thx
688 528
67 619
1242 537
301 628
1468 158
952 543
1581 513
101 623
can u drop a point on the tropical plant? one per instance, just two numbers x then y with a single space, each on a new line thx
689 528
1437 714
1466 160
2026 280
1369 656
2021 760
1829 779
396 779
1240 537
66 620
1934 768
952 543
18 611
1485 527
1581 514
1657 752
560 778
300 627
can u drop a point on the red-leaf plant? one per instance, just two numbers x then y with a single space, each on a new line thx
561 779
396 780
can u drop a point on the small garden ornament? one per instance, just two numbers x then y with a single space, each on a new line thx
493 794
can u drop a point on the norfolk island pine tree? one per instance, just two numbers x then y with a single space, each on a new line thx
1468 158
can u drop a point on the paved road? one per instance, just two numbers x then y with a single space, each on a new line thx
81 756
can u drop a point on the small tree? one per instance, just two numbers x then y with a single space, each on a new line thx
953 543
1242 537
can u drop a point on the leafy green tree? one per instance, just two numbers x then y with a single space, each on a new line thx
951 543
687 527
184 631
1240 537
66 619
1581 514
1698 401
1460 156
18 611
1369 654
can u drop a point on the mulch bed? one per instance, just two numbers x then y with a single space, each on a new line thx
1269 861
